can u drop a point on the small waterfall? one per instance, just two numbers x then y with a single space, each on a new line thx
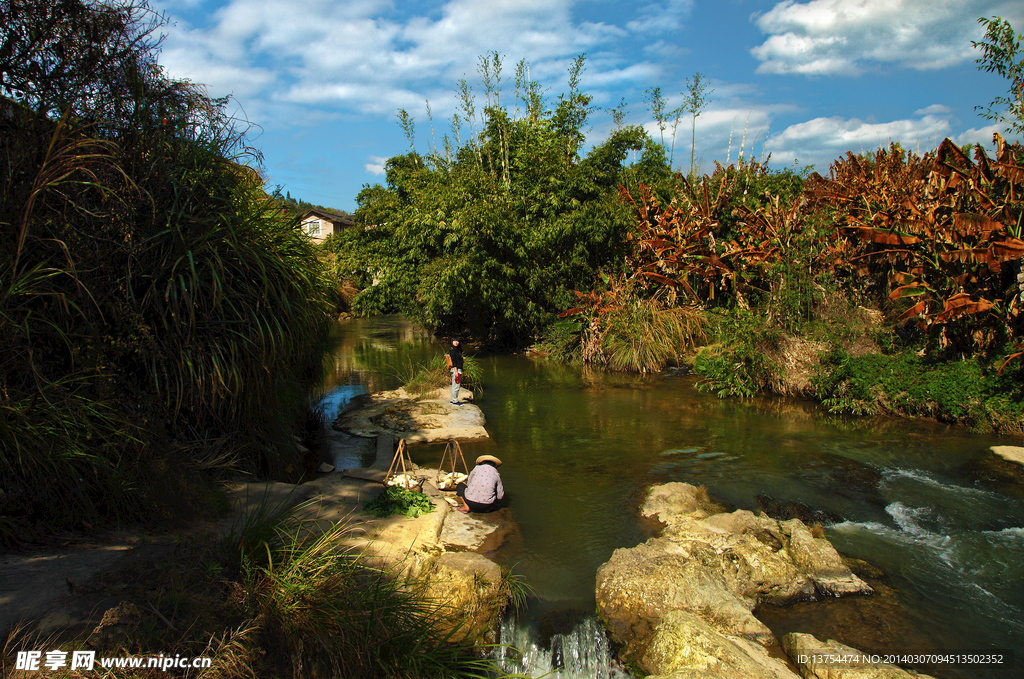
582 653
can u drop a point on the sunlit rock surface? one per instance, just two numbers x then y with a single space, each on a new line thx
417 420
829 660
1009 453
695 586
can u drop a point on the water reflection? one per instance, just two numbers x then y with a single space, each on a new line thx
580 446
372 354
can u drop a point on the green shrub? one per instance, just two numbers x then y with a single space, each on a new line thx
961 391
737 364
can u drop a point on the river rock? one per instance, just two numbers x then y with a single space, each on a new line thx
1010 453
794 509
417 420
684 646
470 587
717 567
480 533
803 649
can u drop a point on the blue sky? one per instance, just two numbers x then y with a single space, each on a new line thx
321 80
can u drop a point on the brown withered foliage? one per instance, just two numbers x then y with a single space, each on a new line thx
684 245
941 228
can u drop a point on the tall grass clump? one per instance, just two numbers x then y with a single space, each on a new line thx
626 327
159 315
423 379
643 336
321 613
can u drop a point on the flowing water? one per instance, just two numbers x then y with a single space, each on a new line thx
579 448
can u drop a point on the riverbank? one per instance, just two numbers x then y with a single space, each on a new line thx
853 362
425 580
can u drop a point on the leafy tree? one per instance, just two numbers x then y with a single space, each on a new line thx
492 239
1002 54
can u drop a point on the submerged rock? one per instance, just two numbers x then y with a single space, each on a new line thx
792 509
709 570
560 621
996 471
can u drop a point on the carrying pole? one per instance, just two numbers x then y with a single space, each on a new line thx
400 458
453 452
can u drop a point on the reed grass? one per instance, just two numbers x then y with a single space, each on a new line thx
641 335
157 310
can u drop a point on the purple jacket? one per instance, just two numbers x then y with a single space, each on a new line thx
484 485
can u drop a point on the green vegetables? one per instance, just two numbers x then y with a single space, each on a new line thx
395 500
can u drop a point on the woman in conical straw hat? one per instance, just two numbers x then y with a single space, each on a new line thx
482 491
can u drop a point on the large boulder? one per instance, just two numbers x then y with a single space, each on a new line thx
469 587
833 660
685 646
715 567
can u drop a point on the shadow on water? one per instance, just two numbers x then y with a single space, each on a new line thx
581 446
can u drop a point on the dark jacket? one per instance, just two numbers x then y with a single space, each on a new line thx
456 358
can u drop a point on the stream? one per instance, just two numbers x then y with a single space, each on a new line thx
579 447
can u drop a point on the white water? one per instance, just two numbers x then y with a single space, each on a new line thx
974 563
583 653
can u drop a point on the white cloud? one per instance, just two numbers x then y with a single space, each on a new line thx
822 140
665 51
933 109
364 55
661 17
376 165
844 37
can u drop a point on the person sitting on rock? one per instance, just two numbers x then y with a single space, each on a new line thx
482 491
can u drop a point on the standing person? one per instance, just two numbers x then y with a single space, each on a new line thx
482 491
455 364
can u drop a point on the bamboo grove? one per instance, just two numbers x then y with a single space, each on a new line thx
158 315
490 231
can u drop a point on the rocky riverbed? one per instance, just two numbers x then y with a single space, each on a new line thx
681 604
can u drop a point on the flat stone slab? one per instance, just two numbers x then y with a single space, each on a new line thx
480 533
417 420
1010 453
